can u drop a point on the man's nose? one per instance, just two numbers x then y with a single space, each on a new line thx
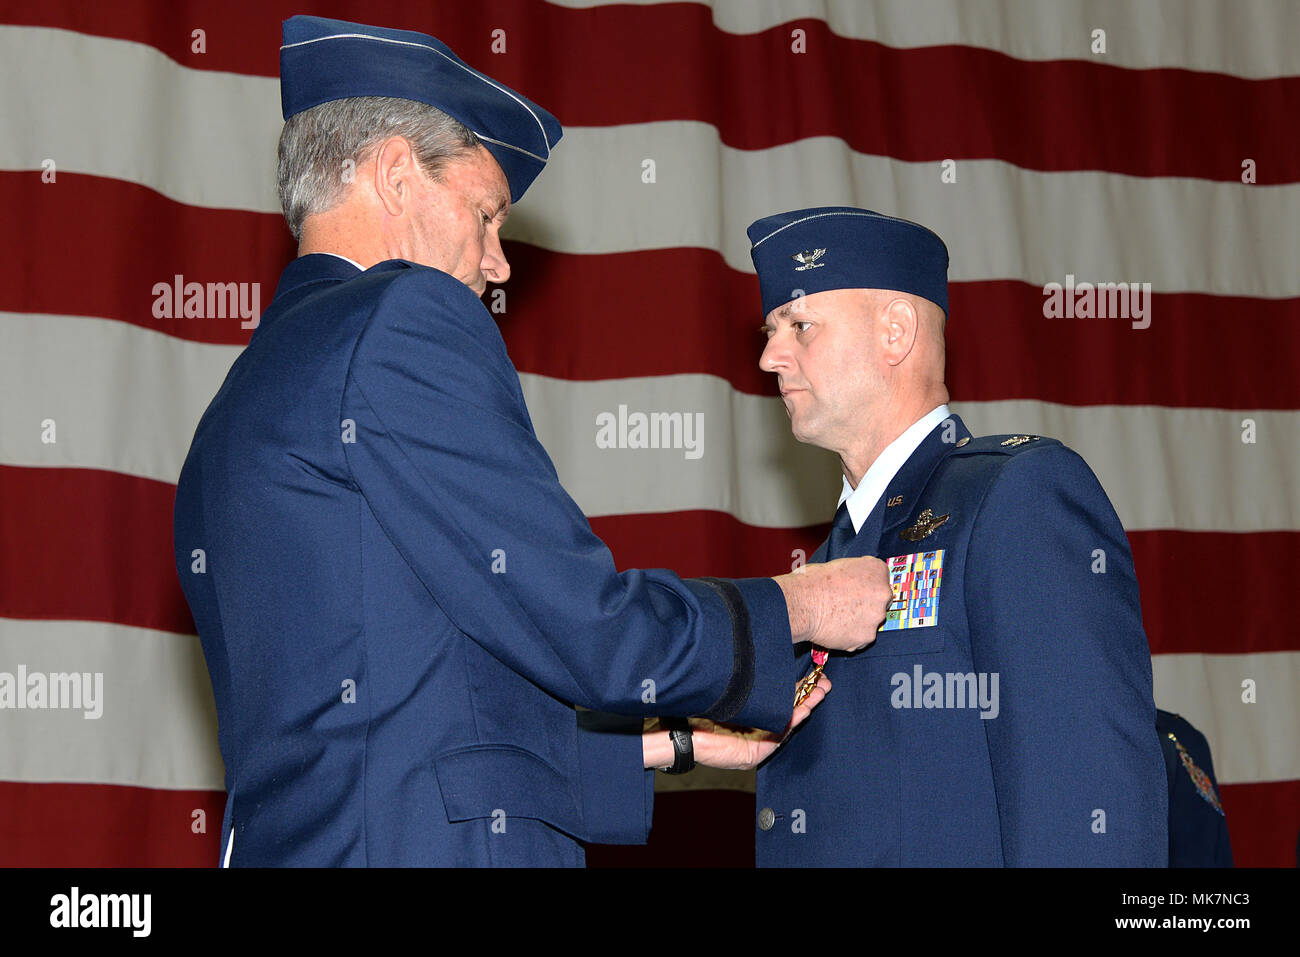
775 355
495 266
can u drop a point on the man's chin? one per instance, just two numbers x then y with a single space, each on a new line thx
807 431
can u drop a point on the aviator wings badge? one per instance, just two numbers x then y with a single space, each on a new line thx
809 259
925 525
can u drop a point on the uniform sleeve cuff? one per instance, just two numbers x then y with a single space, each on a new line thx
771 697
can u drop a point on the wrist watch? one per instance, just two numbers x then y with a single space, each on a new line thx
679 730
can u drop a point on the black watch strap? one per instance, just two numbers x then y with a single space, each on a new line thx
679 730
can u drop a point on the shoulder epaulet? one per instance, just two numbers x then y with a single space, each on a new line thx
1003 444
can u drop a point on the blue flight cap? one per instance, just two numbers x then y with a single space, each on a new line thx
323 60
841 247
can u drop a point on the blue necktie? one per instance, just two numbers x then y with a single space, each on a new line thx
842 533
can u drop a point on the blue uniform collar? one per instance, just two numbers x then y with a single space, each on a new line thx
302 275
314 267
913 477
908 483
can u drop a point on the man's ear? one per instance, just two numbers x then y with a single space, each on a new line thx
395 169
899 326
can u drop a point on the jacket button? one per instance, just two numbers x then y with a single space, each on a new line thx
766 818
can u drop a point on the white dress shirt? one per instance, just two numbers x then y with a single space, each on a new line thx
345 259
882 471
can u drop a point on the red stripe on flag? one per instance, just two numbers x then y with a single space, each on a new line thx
100 825
96 545
124 239
665 311
1195 584
654 312
1263 822
89 545
713 828
107 825
628 64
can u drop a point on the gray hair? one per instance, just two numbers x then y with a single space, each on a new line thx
321 146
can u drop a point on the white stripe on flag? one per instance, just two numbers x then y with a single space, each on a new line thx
1245 705
999 221
1249 38
156 691
120 397
158 727
1162 467
124 110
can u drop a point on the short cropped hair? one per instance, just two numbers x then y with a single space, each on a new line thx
316 146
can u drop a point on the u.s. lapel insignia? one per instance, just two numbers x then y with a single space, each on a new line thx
1019 440
925 525
896 500
809 259
1204 786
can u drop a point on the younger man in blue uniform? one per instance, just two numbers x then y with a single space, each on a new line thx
1004 715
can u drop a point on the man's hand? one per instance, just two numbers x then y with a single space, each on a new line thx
740 749
837 604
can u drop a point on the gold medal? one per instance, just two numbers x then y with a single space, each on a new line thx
810 681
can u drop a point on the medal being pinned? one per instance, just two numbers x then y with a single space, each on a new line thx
809 682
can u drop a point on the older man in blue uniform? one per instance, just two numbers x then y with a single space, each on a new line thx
398 603
1004 715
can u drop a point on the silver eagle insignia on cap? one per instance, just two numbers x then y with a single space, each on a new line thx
809 259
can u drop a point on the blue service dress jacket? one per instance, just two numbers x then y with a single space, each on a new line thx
399 605
918 757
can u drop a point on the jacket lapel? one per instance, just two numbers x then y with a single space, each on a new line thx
910 482
905 489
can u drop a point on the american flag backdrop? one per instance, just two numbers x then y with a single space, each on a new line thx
1152 141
